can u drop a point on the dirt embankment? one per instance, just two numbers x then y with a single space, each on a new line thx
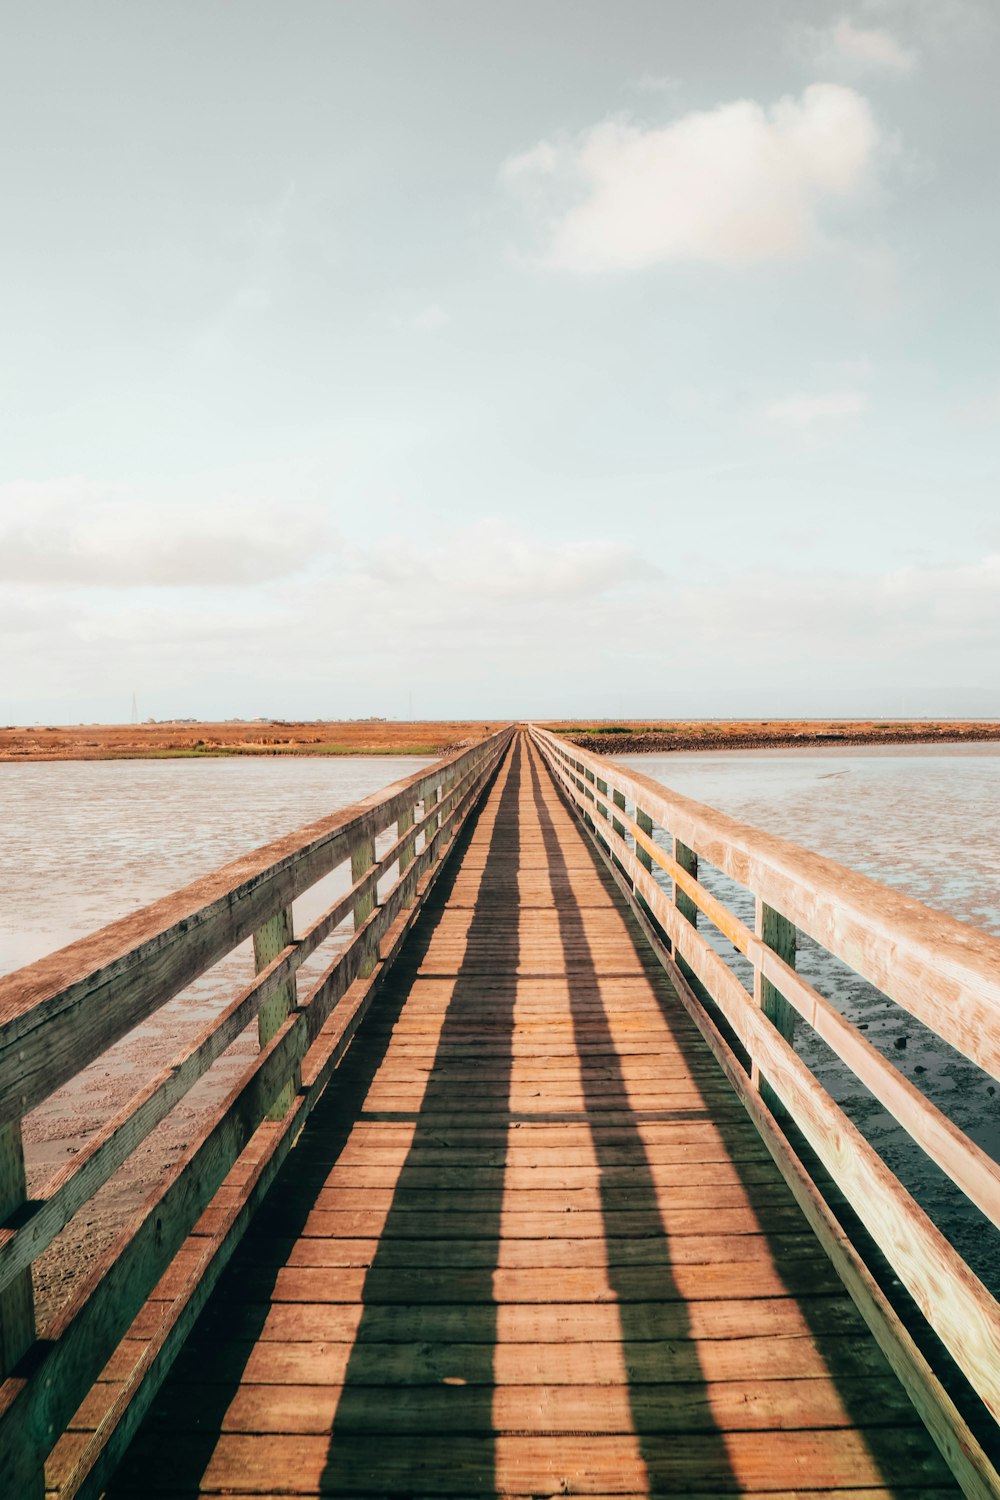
187 739
659 738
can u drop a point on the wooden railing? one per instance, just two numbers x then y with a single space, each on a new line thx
57 1015
940 970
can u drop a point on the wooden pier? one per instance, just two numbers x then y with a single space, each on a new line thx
508 1204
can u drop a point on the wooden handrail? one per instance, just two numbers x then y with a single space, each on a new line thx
942 971
876 931
58 1014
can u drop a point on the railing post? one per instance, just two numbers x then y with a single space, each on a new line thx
403 824
602 808
645 822
585 789
779 934
17 1300
686 907
431 816
268 941
446 785
618 798
362 859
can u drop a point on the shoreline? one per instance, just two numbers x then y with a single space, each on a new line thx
610 746
330 738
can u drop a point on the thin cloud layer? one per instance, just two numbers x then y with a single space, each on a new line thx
495 561
632 627
79 535
802 412
731 186
859 47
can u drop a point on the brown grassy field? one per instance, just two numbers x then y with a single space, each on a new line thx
374 737
155 741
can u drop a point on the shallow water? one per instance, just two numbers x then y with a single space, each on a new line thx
925 820
86 842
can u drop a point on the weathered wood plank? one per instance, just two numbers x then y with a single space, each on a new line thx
748 1461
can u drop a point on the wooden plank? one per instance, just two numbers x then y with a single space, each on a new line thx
521 1323
552 1408
748 1461
550 1253
653 1362
669 1281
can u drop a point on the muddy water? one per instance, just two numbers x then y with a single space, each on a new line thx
919 818
85 843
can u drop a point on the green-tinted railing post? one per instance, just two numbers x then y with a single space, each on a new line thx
403 825
645 822
268 941
17 1300
777 933
618 798
433 817
688 861
602 808
362 859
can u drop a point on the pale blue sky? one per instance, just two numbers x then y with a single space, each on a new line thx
533 359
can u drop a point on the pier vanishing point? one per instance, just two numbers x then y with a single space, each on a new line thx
526 1190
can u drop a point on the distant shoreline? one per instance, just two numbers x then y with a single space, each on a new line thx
657 743
232 739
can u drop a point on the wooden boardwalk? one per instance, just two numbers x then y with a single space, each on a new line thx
530 1243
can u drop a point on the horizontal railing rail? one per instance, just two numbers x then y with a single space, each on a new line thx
58 1015
940 970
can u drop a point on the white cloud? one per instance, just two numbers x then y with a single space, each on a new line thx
731 185
656 83
803 412
844 42
82 535
431 318
511 621
494 562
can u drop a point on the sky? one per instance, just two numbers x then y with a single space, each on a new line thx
433 358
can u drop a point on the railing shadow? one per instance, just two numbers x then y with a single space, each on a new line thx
216 1358
436 1264
606 1093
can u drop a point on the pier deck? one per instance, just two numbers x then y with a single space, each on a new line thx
529 1242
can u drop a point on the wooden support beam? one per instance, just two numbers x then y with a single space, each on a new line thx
17 1302
618 827
403 825
268 941
362 859
778 934
602 808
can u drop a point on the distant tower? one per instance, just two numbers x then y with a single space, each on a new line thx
135 709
